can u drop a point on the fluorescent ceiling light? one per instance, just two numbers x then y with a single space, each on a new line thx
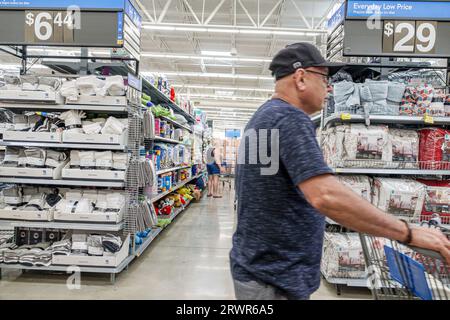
195 86
241 30
216 53
224 93
209 96
205 57
213 75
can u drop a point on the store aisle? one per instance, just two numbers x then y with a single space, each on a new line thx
189 260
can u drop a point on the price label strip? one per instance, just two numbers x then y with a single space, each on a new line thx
346 116
428 119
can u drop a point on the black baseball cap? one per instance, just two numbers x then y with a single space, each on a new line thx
300 55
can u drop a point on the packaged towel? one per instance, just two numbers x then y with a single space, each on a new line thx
343 256
400 197
72 120
114 86
35 157
434 149
359 184
120 160
74 158
48 84
29 82
104 160
361 146
55 158
91 127
69 90
405 148
87 159
113 126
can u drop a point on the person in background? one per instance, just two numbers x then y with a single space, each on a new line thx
277 246
214 168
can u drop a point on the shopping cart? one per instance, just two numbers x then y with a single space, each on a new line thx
396 271
227 175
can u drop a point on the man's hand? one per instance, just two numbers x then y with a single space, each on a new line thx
431 239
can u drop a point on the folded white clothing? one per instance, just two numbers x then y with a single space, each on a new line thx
115 86
99 120
74 158
35 157
82 246
87 159
66 206
69 90
84 206
55 158
74 195
120 161
92 128
115 200
48 84
104 159
12 155
20 122
92 195
113 126
29 192
89 85
72 120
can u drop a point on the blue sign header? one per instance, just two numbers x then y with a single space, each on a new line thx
437 10
133 14
336 18
50 4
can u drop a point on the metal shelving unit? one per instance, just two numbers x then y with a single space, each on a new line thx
381 119
63 145
180 185
109 270
161 139
151 236
65 107
374 171
79 183
158 97
177 124
63 225
171 169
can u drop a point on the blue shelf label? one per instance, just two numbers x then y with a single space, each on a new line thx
399 9
42 4
120 28
336 19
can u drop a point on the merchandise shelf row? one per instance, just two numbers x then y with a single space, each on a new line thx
171 169
62 225
180 185
66 107
64 145
177 124
79 183
386 119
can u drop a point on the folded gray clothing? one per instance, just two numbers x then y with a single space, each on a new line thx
111 243
29 82
35 157
396 91
377 100
346 92
12 155
95 247
55 158
49 84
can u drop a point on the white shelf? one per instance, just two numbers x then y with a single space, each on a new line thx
81 183
177 124
392 171
62 145
385 119
65 107
168 140
151 236
347 281
117 269
162 195
171 169
63 225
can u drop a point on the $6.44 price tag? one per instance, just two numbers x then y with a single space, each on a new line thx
428 119
49 26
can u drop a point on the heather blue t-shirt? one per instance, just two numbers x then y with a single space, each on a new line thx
279 235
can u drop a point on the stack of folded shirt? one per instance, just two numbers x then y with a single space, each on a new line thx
11 256
6 247
39 255
111 243
95 247
79 244
62 247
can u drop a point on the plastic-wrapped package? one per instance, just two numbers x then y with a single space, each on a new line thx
373 96
72 120
113 126
69 90
437 108
437 200
417 100
405 148
114 86
357 142
359 184
400 197
343 256
434 149
89 85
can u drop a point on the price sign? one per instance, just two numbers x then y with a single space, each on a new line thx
346 116
417 37
49 26
428 119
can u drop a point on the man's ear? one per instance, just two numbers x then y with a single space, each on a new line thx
299 78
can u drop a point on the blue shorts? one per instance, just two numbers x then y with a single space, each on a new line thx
213 169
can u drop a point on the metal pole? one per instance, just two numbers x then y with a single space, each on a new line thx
84 63
23 70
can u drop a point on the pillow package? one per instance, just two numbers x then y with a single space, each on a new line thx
400 197
359 184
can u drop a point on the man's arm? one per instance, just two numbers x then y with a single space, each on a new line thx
336 201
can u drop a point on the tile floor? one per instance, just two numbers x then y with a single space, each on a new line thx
189 260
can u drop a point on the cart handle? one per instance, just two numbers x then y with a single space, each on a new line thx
428 253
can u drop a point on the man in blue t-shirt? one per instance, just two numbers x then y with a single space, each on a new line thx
283 200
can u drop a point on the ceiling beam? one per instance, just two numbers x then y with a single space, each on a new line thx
271 13
163 13
211 16
248 14
192 12
302 16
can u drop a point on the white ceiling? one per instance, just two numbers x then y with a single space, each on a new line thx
199 78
